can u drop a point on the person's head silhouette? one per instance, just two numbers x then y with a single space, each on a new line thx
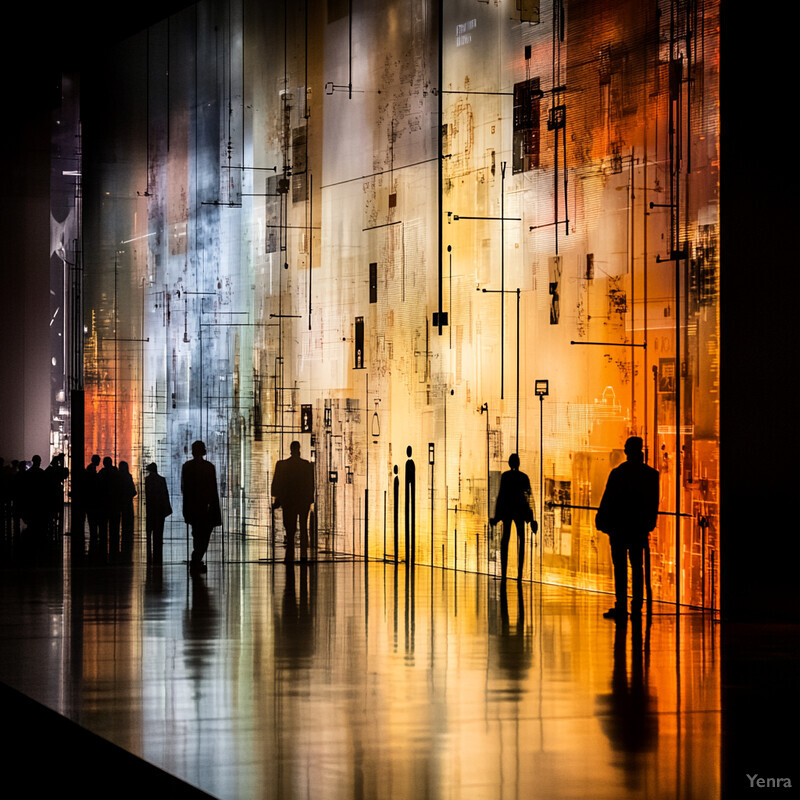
198 449
634 447
294 448
513 461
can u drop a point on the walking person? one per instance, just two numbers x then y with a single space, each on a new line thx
513 506
201 508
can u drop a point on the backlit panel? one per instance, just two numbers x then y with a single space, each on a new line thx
400 217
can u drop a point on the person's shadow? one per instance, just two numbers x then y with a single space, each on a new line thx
628 714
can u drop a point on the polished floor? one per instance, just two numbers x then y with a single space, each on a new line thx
345 680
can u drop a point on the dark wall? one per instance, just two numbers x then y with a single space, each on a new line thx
25 267
759 549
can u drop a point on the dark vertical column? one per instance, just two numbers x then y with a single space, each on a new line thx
77 461
758 442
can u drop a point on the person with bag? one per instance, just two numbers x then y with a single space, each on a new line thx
513 505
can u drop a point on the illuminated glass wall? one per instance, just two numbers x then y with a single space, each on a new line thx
464 228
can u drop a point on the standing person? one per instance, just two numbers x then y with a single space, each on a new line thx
55 475
628 512
127 492
200 503
158 508
513 505
91 500
35 497
293 491
411 508
108 484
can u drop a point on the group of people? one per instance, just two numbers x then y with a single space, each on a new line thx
628 512
32 496
32 501
106 502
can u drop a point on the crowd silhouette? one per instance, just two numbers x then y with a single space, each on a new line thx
33 498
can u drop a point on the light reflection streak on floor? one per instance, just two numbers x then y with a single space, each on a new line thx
352 682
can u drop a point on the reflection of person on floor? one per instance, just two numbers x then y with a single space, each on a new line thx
629 713
293 491
513 646
627 513
200 502
157 509
513 505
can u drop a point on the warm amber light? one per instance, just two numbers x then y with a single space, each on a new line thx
306 221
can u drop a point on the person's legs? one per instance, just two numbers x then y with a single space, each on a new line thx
520 525
201 535
158 540
619 555
636 555
149 526
304 534
504 547
290 526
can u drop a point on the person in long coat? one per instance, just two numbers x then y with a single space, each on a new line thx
201 509
127 489
157 509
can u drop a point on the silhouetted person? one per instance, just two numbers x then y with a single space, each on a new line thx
127 493
512 505
628 512
35 507
110 495
157 509
396 489
91 499
411 508
201 508
293 491
54 477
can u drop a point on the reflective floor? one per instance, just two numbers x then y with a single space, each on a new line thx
340 680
